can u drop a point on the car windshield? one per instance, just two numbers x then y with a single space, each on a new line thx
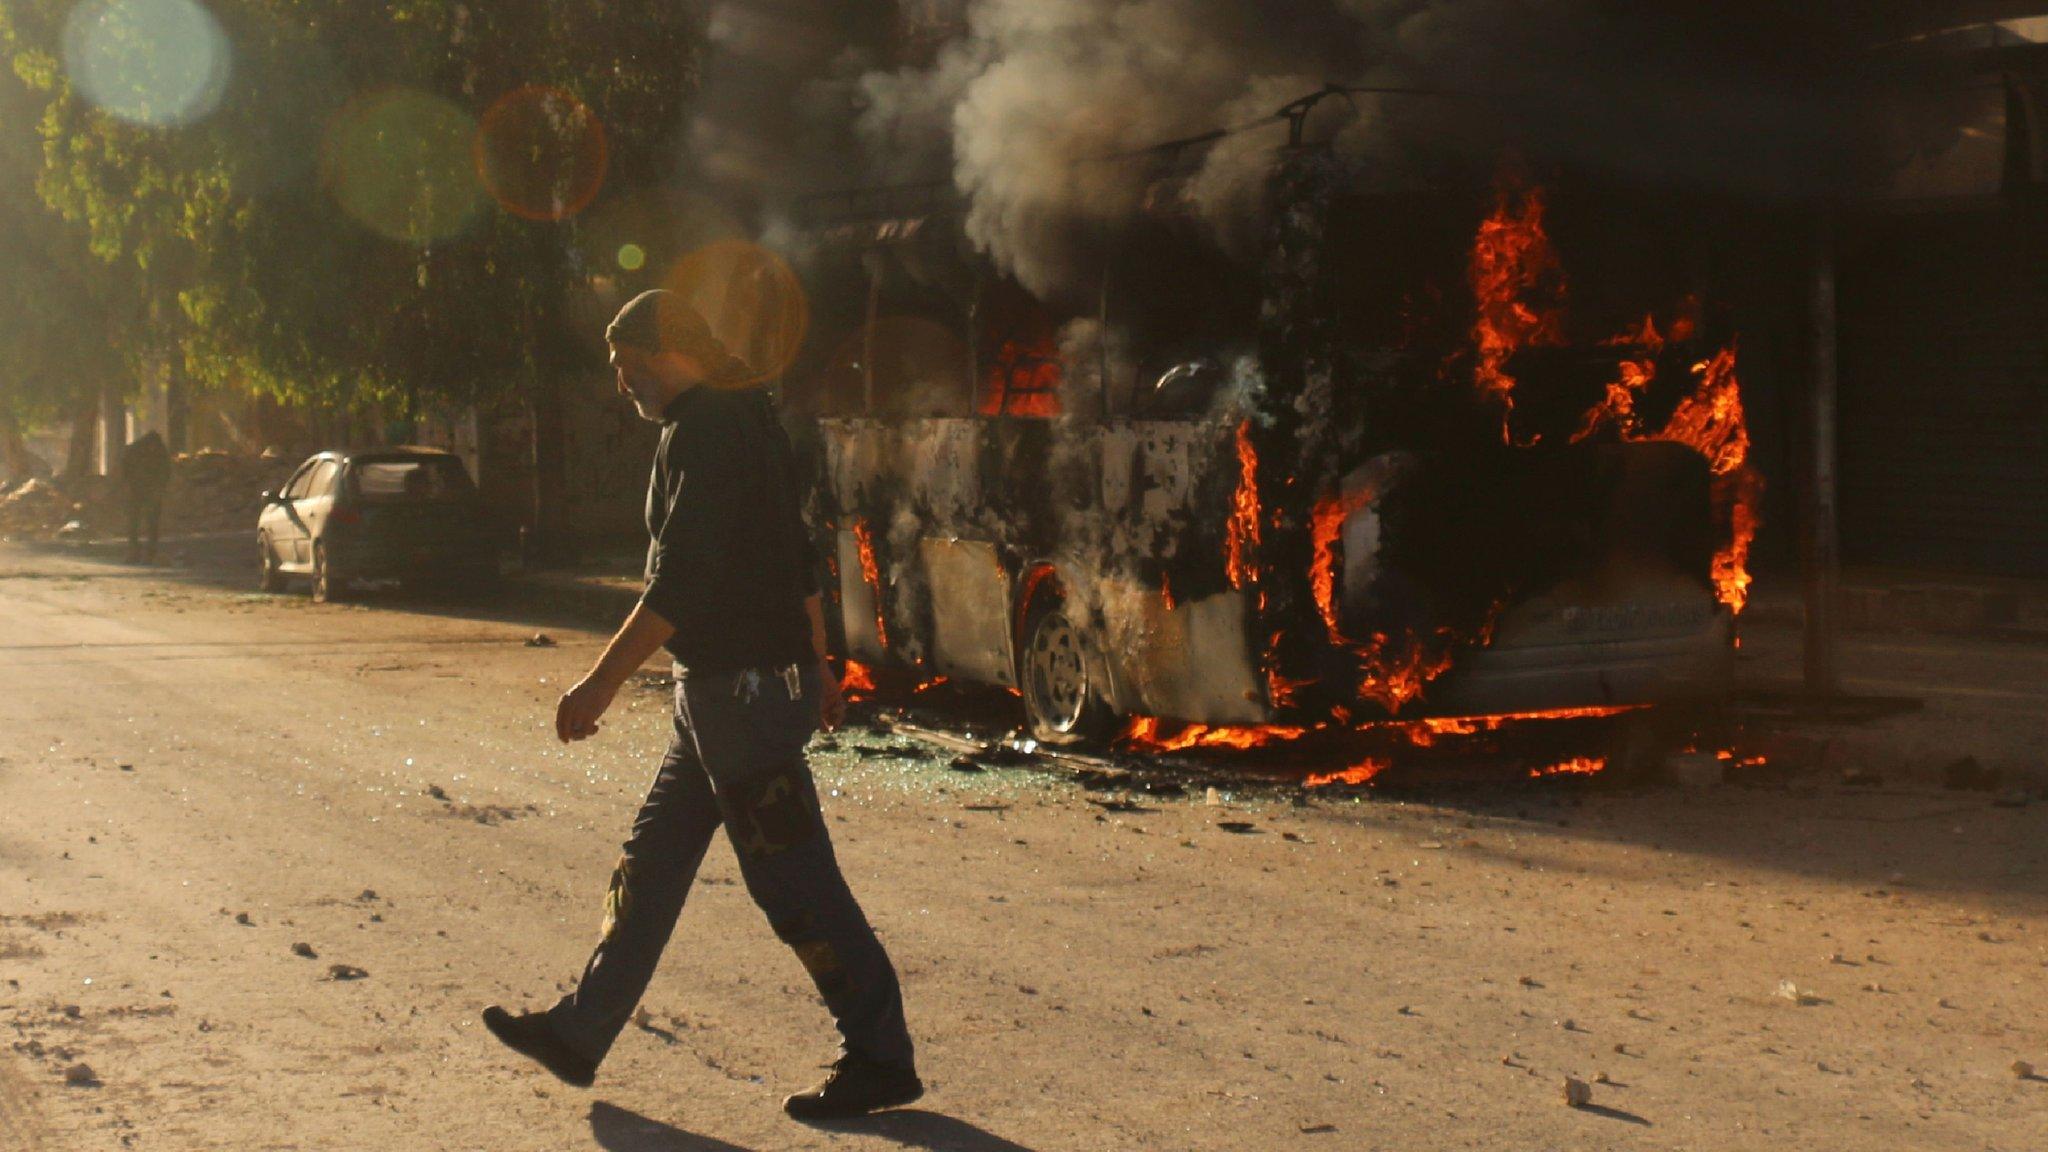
411 481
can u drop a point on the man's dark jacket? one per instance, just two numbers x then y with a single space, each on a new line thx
729 563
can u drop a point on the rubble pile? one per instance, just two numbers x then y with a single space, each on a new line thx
210 491
215 491
35 509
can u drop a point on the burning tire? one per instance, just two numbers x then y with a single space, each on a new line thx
1062 678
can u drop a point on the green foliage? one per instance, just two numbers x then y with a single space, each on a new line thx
304 237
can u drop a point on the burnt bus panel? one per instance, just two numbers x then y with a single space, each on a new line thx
857 605
1187 660
970 596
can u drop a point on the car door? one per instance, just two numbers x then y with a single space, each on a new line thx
313 506
281 521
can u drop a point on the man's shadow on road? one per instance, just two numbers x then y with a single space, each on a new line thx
618 1130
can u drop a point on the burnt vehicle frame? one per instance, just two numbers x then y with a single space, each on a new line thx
1101 562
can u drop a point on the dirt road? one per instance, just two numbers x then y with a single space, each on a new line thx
194 781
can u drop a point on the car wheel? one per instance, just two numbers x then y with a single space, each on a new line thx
327 587
272 578
1064 694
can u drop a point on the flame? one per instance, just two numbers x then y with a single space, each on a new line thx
864 539
1144 734
1618 406
1166 592
1395 673
858 681
928 685
1241 543
1359 773
1576 766
1711 422
1280 690
1424 732
1023 381
1512 259
1326 528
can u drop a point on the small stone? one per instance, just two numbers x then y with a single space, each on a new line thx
1213 798
964 763
1601 1078
367 895
304 949
242 918
345 972
1577 1093
2023 1070
540 640
1787 990
435 791
81 1075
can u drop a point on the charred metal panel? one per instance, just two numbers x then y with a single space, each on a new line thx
970 599
857 605
1187 659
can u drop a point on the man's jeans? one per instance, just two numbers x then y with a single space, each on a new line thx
737 759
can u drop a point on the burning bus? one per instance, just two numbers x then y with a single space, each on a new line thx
1408 454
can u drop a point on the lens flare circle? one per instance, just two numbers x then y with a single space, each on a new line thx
158 62
397 162
632 257
541 153
751 299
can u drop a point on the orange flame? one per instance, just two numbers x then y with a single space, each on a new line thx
1145 734
1326 526
1618 407
1512 259
1023 381
1396 672
858 682
1241 543
864 539
1711 422
1359 773
1576 766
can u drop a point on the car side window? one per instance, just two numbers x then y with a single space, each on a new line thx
295 488
322 483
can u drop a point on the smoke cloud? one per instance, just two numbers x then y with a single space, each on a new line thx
1031 108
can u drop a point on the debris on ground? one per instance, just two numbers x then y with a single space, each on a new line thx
1788 990
304 949
540 640
1577 1093
345 972
2022 1070
436 791
81 1075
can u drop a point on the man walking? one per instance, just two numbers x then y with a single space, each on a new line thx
145 471
731 594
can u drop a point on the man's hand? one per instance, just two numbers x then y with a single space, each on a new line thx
579 709
831 701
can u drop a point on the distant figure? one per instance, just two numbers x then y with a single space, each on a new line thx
144 473
731 594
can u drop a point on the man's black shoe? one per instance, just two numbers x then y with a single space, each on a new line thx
530 1035
856 1087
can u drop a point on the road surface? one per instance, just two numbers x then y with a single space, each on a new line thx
196 779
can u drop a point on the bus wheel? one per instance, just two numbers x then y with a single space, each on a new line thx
1063 691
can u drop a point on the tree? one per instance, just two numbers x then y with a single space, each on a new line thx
312 227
